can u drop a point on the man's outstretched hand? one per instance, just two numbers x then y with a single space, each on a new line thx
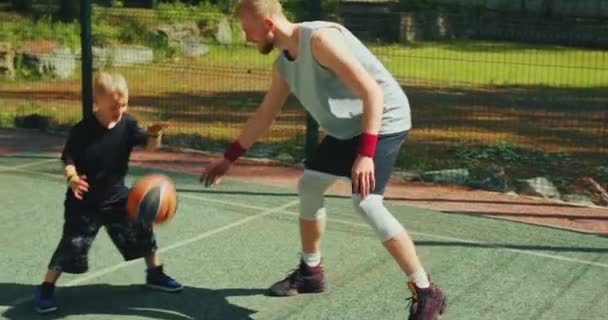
213 173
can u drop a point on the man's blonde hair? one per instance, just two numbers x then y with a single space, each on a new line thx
107 83
259 8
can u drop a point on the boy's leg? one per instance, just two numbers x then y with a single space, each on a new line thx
52 276
79 230
394 237
152 261
134 241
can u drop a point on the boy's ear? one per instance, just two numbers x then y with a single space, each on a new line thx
95 107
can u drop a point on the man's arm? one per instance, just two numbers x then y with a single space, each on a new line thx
255 126
331 51
271 106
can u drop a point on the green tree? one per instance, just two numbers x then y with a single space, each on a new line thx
150 3
22 6
69 10
547 6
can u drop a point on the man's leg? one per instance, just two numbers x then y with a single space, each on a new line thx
428 300
311 232
308 277
311 190
401 247
394 237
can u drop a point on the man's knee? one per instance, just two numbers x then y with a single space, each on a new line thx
375 213
311 189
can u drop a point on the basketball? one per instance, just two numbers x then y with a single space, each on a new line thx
152 200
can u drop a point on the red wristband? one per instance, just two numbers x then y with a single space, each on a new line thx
367 144
234 151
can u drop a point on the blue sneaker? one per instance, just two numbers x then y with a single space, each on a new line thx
44 302
157 279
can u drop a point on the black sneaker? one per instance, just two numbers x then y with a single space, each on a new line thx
427 303
44 302
157 279
305 279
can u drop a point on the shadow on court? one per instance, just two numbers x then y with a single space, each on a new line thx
510 246
115 301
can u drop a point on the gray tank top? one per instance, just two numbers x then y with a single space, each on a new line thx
336 108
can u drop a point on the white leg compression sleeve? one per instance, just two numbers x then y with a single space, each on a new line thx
375 213
311 189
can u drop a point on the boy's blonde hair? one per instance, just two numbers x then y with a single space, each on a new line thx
259 8
108 83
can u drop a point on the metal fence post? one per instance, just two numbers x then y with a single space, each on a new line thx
87 59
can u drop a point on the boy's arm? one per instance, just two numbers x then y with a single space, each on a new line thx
75 181
67 156
149 137
154 134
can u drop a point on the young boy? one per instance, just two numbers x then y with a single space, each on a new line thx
95 159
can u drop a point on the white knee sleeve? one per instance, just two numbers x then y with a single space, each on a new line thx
311 189
376 214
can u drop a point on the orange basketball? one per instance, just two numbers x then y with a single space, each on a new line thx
152 199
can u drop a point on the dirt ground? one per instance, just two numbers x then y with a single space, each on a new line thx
449 199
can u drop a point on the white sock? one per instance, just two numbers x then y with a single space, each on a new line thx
420 279
311 259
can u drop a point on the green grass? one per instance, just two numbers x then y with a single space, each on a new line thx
238 56
17 30
496 63
471 62
480 63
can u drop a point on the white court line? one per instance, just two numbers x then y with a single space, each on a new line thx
268 211
184 242
99 273
163 312
178 244
26 165
430 235
522 251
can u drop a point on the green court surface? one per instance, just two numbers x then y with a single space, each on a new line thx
227 244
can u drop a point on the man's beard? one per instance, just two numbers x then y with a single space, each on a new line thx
266 48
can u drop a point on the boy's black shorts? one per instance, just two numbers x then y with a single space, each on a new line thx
82 222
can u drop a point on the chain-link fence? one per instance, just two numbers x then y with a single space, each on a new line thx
497 98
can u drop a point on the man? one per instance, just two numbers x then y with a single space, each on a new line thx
366 117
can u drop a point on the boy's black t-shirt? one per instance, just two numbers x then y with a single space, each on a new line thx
102 155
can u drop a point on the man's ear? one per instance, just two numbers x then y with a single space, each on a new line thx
269 23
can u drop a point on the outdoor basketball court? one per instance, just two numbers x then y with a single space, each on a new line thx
229 243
